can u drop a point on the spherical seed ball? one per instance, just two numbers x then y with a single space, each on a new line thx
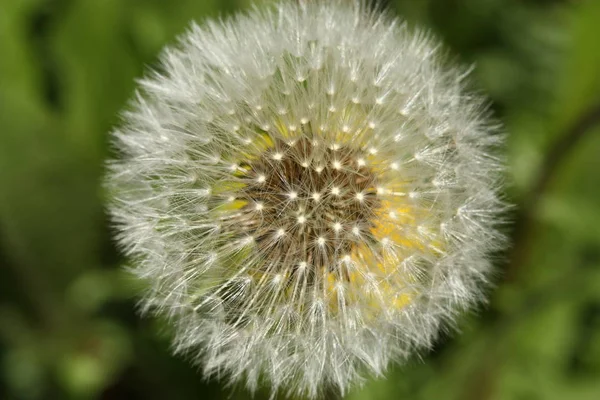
308 192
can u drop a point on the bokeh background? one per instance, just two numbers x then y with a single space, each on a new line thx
68 322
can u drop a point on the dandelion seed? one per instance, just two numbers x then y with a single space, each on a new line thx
322 199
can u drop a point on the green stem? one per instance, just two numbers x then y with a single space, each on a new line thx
523 234
526 222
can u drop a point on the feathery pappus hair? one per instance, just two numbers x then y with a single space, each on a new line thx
309 193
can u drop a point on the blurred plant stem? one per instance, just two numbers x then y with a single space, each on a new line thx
525 223
485 372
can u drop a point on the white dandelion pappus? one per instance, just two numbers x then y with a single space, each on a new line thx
309 194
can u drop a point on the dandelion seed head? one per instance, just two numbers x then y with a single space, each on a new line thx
308 194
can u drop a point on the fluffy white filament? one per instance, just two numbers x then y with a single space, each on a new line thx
308 193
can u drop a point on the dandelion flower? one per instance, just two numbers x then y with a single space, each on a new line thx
309 194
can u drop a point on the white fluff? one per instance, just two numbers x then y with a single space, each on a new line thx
315 280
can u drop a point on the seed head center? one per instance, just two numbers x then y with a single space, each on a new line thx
312 199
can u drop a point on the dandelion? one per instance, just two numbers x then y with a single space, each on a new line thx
309 194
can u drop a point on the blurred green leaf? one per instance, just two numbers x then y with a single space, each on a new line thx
579 86
24 372
96 360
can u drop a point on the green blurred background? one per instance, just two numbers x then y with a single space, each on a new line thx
68 325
